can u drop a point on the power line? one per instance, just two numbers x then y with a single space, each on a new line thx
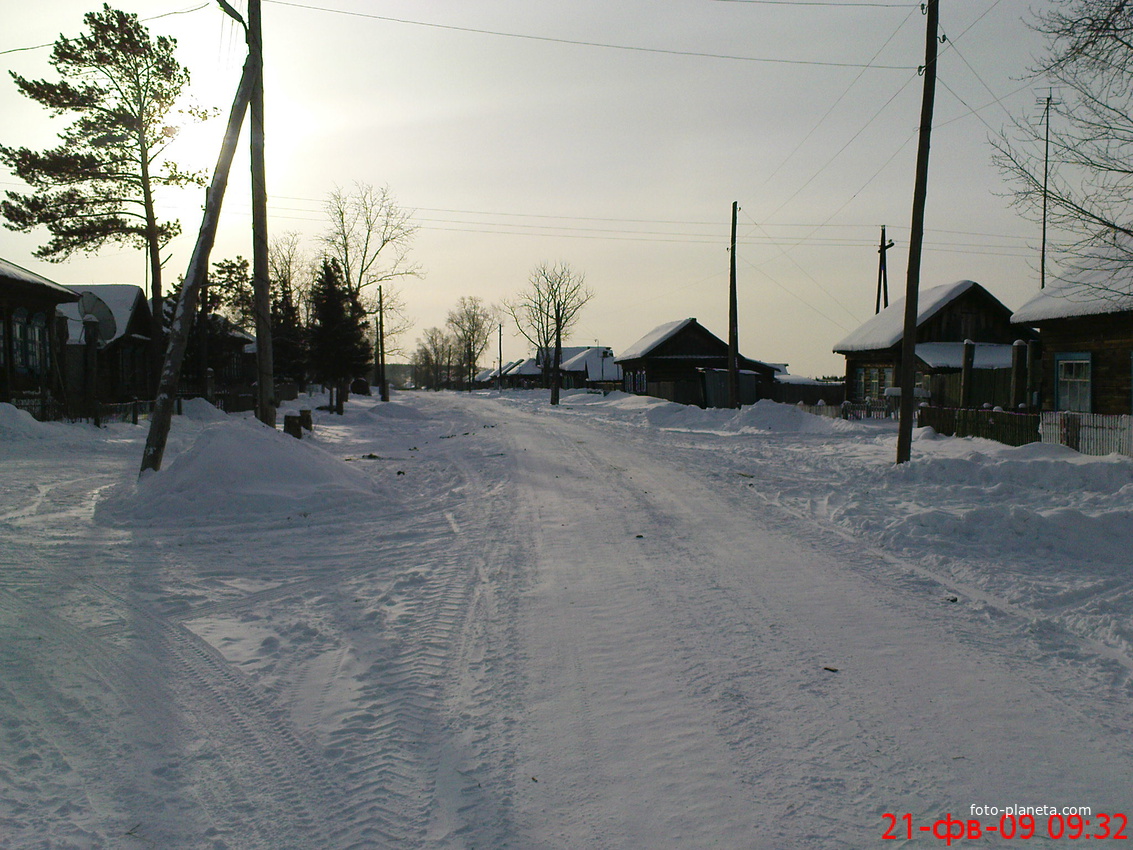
150 18
825 3
582 43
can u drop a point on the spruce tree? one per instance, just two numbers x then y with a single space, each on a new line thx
339 349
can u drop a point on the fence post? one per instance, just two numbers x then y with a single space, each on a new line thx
1034 374
1019 376
966 374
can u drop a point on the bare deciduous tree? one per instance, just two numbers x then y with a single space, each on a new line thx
546 311
471 324
432 359
370 235
1080 174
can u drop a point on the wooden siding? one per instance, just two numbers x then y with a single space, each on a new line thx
1109 341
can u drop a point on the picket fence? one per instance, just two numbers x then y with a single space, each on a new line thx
1089 433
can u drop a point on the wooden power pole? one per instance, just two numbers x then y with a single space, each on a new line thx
916 240
261 281
882 274
733 322
195 277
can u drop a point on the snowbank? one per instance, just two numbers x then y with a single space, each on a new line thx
238 469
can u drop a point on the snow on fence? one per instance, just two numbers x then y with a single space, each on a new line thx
1089 433
851 410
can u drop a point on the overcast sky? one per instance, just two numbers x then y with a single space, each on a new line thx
612 136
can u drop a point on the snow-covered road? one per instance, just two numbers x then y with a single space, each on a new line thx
480 622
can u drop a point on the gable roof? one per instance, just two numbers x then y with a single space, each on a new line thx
1072 300
886 328
597 362
10 272
654 338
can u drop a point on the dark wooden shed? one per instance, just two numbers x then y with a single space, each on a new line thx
682 361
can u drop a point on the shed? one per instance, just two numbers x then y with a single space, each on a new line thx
592 368
683 361
123 344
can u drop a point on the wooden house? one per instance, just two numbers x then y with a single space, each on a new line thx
683 361
592 368
1086 336
28 338
123 353
946 316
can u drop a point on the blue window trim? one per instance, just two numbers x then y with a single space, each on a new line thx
1066 356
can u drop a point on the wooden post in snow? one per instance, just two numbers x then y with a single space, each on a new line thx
195 277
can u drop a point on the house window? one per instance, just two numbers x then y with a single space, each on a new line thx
20 340
37 344
1072 382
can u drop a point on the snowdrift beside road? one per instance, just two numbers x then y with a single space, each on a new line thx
241 470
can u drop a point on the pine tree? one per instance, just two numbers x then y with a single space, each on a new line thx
289 337
97 187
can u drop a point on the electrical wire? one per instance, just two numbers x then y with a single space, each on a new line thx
582 43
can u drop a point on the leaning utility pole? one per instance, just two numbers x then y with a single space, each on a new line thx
916 239
195 277
882 273
733 323
261 282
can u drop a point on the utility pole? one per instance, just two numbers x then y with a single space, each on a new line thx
383 383
733 323
1048 102
195 278
916 240
261 281
882 273
500 370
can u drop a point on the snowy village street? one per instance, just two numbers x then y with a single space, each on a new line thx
474 621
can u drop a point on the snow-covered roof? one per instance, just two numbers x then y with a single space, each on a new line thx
950 355
121 298
1071 300
653 339
10 271
597 362
526 368
886 328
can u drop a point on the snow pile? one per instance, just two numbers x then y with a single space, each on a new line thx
771 416
765 415
16 424
235 470
19 426
200 410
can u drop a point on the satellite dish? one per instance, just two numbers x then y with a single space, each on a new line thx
91 305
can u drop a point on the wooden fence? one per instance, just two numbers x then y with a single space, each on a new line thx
850 410
1014 429
1089 433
